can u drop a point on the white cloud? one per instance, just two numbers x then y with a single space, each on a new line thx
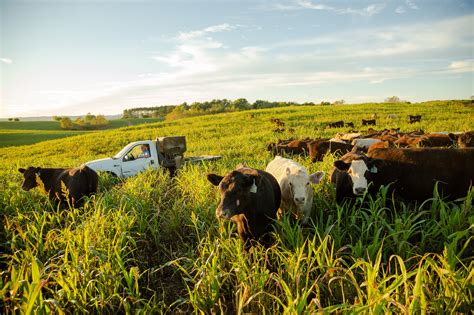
200 33
411 4
462 66
6 60
400 9
368 11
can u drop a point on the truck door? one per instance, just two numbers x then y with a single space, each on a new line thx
136 160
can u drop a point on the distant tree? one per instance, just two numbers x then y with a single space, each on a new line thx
80 121
325 103
100 120
392 99
89 117
339 102
10 119
57 118
65 123
240 104
16 119
126 114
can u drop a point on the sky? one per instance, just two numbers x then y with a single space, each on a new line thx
70 57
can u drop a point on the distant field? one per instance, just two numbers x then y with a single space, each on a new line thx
14 133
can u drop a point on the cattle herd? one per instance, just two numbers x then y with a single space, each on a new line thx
410 164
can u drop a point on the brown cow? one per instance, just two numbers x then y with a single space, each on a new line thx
79 182
250 198
318 148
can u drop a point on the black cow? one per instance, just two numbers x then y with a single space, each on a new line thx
414 118
336 124
412 173
79 182
250 198
350 124
369 122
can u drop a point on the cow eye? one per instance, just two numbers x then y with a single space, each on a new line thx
291 184
307 183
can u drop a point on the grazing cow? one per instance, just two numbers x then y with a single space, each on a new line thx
279 130
347 136
392 116
412 173
292 147
409 141
295 184
380 145
414 118
369 122
350 124
79 182
250 198
364 143
436 140
317 149
336 124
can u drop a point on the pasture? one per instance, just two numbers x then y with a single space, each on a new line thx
15 133
153 244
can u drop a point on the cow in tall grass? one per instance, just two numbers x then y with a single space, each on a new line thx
412 173
62 184
250 198
295 184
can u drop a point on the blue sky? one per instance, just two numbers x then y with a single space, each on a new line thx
68 57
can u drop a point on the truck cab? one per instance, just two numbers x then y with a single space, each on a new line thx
140 155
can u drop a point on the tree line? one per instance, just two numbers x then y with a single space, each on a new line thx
172 112
88 122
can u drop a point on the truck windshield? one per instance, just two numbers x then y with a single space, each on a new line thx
122 152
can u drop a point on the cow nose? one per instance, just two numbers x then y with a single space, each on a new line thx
222 213
359 190
300 199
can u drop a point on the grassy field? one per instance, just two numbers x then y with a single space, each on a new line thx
14 133
153 244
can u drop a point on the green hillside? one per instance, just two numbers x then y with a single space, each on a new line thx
14 133
152 244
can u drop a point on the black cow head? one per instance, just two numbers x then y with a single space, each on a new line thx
30 177
236 189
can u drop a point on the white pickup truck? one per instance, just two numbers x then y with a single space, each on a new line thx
137 156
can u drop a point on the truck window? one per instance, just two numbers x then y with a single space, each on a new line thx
138 152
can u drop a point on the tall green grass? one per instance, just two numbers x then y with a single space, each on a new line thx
152 243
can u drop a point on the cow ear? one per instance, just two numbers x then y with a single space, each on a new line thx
316 177
374 165
38 170
341 165
21 170
214 179
453 137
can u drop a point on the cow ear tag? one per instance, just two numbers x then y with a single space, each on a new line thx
253 189
373 169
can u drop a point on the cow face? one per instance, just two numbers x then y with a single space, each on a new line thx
360 171
30 177
299 184
235 189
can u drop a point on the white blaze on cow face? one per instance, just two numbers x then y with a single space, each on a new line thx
357 172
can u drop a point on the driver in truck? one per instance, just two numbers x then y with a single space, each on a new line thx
145 151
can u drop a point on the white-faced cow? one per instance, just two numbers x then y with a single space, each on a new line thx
412 173
295 184
250 198
79 182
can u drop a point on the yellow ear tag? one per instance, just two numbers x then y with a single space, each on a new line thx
253 189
